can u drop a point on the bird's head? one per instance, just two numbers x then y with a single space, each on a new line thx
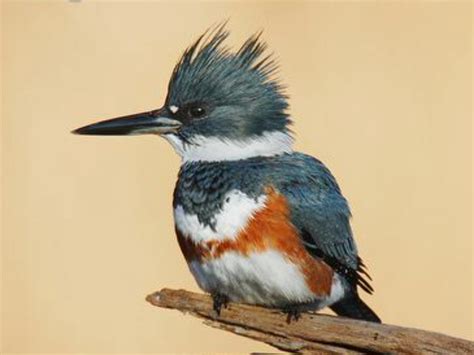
221 105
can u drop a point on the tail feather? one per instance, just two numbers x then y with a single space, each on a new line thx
352 306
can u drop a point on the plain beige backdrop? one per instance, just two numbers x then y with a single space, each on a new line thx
381 92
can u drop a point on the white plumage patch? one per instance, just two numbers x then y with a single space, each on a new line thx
174 108
258 278
337 292
175 142
238 208
200 148
264 277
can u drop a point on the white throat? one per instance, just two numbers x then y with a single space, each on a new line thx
202 148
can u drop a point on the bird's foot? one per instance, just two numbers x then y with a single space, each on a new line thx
219 301
292 313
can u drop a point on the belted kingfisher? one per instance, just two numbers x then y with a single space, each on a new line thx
256 221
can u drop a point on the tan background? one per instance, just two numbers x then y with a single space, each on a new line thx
380 92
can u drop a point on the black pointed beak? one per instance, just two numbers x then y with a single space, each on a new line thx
151 122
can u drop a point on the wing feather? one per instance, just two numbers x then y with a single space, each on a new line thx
321 214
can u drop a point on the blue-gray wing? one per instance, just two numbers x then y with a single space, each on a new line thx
321 214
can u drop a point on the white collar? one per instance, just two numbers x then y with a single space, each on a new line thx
201 148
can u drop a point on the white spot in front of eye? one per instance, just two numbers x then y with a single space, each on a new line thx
174 108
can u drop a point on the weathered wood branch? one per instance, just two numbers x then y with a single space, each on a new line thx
312 333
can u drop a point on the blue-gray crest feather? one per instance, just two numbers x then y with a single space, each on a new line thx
210 72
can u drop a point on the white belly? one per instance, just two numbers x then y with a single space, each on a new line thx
266 277
259 278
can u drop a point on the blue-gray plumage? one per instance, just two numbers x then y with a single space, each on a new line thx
256 221
318 208
228 82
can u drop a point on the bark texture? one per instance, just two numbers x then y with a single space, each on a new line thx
312 333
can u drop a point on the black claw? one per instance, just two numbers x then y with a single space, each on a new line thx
292 313
219 301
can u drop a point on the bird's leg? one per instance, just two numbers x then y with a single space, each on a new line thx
219 301
293 312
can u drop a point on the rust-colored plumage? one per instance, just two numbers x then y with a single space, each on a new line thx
269 229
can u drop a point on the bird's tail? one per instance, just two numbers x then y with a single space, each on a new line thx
352 306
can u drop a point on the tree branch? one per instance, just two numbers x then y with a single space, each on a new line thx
312 333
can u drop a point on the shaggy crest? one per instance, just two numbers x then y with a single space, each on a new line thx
208 70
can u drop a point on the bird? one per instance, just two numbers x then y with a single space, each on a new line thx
257 222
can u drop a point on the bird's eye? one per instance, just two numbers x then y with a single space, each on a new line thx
197 111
